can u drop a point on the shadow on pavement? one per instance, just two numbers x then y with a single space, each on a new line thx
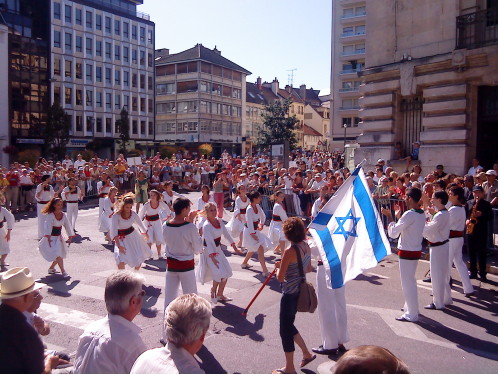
59 288
238 324
149 307
369 278
209 363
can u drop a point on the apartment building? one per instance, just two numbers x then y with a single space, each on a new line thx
201 98
348 58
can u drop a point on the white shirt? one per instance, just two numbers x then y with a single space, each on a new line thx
409 229
318 185
166 360
25 180
438 229
108 346
67 163
457 218
182 241
79 163
472 171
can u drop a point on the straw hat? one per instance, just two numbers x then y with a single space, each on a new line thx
17 282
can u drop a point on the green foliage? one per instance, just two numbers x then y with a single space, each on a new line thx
278 125
134 153
123 128
29 155
86 154
205 149
57 131
167 151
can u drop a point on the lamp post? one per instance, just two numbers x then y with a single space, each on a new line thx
345 125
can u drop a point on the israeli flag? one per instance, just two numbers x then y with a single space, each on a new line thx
348 232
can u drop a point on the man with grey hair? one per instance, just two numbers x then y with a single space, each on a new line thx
111 345
185 324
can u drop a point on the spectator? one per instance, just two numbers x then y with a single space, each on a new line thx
370 359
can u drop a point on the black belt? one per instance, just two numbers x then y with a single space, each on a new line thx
243 211
320 263
437 244
72 201
42 202
456 234
155 217
56 230
124 232
217 242
256 225
276 218
102 195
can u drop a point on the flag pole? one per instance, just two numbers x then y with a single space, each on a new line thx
257 293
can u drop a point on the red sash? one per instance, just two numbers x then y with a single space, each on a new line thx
178 266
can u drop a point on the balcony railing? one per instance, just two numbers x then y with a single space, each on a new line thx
477 29
350 71
356 15
355 52
349 89
349 107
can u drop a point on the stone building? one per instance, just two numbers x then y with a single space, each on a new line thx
434 79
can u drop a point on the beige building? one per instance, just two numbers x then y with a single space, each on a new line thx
434 78
348 58
318 119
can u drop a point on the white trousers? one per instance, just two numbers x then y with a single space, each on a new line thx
101 208
441 292
331 312
173 281
72 214
456 245
41 219
407 269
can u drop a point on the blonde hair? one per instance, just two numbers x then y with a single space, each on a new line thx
128 198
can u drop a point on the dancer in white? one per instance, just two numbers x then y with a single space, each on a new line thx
72 194
279 215
182 243
409 229
44 193
253 239
437 233
107 212
457 226
205 198
130 248
6 225
103 187
52 246
236 224
150 215
169 195
212 263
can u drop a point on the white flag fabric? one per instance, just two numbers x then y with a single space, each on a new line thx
348 232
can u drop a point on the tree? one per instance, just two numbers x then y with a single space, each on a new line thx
57 131
123 128
278 125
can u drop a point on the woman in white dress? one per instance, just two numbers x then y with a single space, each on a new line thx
130 248
279 215
169 195
6 225
44 193
253 239
213 263
205 199
107 212
150 214
236 224
52 246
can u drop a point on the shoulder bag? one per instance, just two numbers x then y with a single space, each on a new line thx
307 300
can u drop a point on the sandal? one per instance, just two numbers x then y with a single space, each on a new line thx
245 266
51 271
281 371
306 361
224 299
214 299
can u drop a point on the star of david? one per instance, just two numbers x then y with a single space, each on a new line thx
342 220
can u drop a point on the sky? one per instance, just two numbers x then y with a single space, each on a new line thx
267 37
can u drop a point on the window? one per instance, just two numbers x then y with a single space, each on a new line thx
117 101
89 46
57 10
168 127
151 129
216 127
359 48
360 11
216 89
108 25
79 17
134 127
227 91
150 37
217 71
165 88
205 87
134 80
205 126
225 109
89 124
79 97
205 67
57 39
134 32
169 107
117 52
149 60
126 78
205 107
98 74
68 68
188 86
347 122
117 77
236 93
79 123
98 22
126 100
117 27
142 58
142 104
98 48
227 73
348 12
89 72
360 30
134 104
79 70
108 100
356 121
150 105
89 98
89 19
347 50
57 66
108 47
165 70
216 108
237 76
57 94
126 54
68 41
79 44
126 30
108 125
142 34
134 59
187 67
187 107
108 72
98 99
149 83
347 31
67 13
98 125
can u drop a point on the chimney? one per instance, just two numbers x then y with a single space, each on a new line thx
162 52
274 86
288 88
258 83
215 50
302 92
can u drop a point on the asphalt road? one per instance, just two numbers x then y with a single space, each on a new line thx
461 339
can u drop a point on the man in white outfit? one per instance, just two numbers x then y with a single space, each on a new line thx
72 194
409 229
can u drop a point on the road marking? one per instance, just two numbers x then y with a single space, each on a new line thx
66 316
377 275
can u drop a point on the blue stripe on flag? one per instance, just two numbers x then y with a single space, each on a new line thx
322 218
355 172
361 195
332 258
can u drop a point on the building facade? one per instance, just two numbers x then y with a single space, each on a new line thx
318 119
4 90
348 58
200 99
439 86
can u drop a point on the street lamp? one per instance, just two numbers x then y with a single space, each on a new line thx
345 125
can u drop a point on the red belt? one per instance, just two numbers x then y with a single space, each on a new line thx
124 232
243 211
102 195
42 202
155 217
178 266
409 255
72 201
456 234
437 244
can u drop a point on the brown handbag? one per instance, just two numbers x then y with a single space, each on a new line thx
307 300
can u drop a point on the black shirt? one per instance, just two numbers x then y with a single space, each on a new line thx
21 349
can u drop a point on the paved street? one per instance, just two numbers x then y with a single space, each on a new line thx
462 339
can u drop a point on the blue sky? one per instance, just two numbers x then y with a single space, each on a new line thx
267 37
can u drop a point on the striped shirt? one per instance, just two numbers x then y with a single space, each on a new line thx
293 278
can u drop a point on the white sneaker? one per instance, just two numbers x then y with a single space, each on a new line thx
245 266
51 271
65 275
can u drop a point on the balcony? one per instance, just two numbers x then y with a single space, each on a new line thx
352 34
350 71
354 53
477 29
356 15
357 107
349 89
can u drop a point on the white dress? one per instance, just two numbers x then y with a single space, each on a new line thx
105 216
57 246
253 220
7 223
276 231
206 270
151 218
236 224
200 220
137 250
168 199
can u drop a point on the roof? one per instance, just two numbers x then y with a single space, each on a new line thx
310 131
263 96
295 98
199 52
